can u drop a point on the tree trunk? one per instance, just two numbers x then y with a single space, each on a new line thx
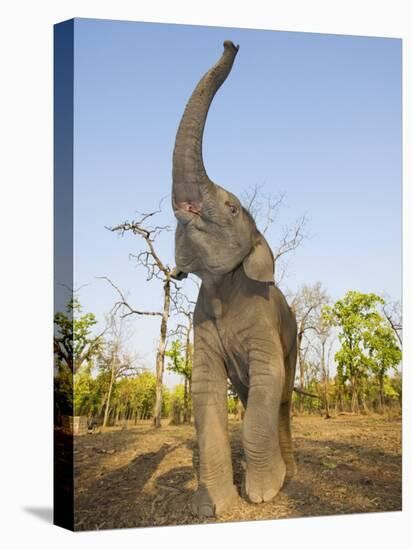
185 403
301 371
190 399
327 407
187 408
354 400
325 374
241 409
364 404
101 406
109 393
160 358
381 394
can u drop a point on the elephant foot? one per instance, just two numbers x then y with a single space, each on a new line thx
209 502
263 485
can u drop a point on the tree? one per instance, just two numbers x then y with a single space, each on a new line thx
365 342
324 339
146 394
384 354
307 305
114 361
83 390
264 207
181 352
232 404
74 344
392 310
180 362
75 347
177 404
156 269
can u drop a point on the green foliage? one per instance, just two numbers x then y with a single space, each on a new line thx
368 345
73 343
177 395
366 359
231 404
145 394
396 385
355 314
135 397
63 392
166 402
384 352
177 403
83 390
179 361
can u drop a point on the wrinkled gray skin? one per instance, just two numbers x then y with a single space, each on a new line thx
244 329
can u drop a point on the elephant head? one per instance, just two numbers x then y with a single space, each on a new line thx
215 234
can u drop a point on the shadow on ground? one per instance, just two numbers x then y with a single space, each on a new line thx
145 477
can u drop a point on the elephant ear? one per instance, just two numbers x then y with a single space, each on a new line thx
259 263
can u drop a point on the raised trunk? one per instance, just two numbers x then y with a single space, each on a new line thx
188 168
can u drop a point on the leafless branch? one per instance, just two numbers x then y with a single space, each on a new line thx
149 259
393 314
281 270
123 303
292 238
262 207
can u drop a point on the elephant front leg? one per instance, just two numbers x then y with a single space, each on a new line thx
216 492
265 467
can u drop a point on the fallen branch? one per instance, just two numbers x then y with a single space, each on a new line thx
301 392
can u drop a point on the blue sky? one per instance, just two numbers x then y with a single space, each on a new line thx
317 117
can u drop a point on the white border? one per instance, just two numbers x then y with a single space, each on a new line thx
26 266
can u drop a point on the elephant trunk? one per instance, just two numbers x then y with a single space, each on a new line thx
189 174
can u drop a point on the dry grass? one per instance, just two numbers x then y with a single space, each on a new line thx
143 477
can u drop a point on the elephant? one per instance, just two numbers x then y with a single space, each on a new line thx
244 329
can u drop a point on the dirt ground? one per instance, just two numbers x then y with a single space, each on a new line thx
141 476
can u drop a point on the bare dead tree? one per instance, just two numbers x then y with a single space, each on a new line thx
115 360
325 338
71 343
156 269
123 307
265 207
393 313
292 238
307 306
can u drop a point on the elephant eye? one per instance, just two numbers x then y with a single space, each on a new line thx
233 208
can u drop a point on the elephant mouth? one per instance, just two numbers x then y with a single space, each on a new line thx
187 210
190 206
